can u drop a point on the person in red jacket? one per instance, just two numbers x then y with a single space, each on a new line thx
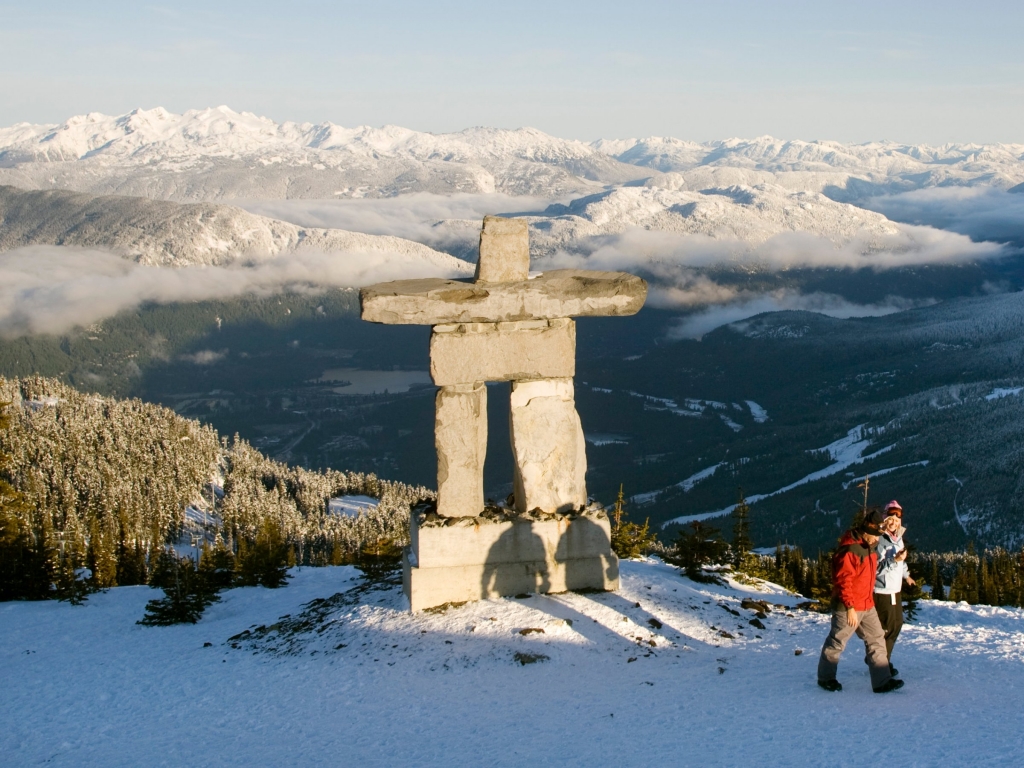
853 608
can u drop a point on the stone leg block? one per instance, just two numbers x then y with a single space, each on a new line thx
504 250
548 447
457 563
471 352
460 436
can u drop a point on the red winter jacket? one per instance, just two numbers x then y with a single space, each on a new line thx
853 573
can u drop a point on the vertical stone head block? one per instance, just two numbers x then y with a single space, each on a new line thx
504 250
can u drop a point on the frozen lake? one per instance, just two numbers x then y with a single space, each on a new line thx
374 382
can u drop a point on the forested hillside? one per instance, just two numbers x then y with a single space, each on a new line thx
106 484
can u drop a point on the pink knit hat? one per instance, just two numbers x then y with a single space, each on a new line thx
894 508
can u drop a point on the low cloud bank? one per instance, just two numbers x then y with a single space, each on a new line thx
665 254
51 289
982 213
682 268
697 325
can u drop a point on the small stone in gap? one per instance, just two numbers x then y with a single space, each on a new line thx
631 659
637 605
207 645
531 631
655 623
798 652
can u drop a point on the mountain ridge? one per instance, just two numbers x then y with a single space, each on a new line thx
148 149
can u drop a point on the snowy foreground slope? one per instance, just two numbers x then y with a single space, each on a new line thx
356 680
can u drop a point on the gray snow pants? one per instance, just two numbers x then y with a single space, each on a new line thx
869 629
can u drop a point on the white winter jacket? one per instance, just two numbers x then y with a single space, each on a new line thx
891 572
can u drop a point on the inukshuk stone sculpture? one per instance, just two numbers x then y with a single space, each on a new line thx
506 326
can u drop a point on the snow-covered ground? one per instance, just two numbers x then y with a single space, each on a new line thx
639 677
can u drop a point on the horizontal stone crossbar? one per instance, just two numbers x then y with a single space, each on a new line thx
529 349
560 293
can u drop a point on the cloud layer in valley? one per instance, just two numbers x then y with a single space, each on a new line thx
682 268
982 213
662 253
51 289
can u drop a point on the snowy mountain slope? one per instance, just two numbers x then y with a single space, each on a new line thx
367 681
218 153
171 234
750 215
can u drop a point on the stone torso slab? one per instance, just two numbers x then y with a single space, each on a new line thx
529 349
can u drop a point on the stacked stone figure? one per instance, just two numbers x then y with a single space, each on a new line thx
506 326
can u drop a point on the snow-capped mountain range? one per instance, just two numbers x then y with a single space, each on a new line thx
220 154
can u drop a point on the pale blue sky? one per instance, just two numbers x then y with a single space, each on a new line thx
907 71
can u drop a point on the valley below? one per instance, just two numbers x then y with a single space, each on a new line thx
818 313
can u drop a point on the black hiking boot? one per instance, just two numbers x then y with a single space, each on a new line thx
831 685
892 685
893 671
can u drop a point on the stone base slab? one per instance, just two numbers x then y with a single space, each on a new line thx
430 587
473 558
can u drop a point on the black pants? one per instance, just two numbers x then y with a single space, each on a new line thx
890 614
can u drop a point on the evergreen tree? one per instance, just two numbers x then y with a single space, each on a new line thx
186 596
741 542
24 563
965 582
987 592
629 540
701 545
379 560
938 588
217 566
263 561
912 593
131 564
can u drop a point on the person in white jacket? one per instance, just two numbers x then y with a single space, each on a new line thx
892 572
